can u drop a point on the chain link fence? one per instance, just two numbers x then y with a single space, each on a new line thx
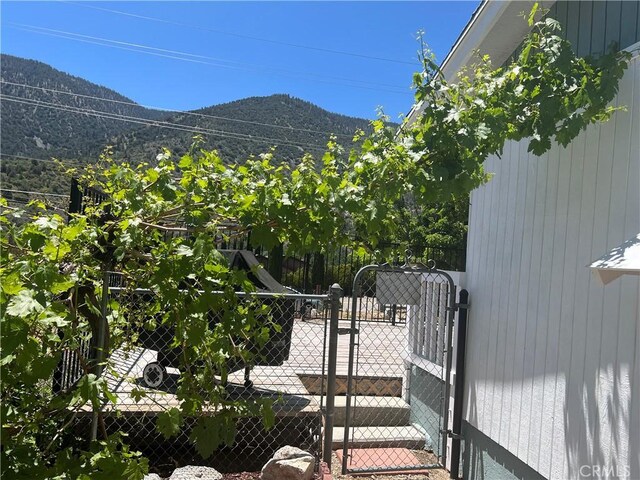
396 397
308 370
339 374
277 373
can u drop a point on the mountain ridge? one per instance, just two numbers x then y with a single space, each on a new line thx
60 115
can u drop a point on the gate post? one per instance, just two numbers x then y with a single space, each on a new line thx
459 385
100 347
75 198
335 295
448 351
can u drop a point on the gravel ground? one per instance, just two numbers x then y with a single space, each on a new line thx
424 457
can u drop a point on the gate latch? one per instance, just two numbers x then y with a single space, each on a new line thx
451 435
346 331
459 306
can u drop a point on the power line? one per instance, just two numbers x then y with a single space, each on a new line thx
182 112
147 122
58 203
51 204
46 160
240 35
202 59
31 192
155 123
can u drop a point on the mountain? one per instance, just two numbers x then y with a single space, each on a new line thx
48 113
246 127
59 115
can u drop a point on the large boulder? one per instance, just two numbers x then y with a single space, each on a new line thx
152 476
289 463
191 472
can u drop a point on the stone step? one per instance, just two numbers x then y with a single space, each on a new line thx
380 411
406 436
367 384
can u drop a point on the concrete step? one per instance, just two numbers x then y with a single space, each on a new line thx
379 411
406 436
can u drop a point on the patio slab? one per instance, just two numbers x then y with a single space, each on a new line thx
371 458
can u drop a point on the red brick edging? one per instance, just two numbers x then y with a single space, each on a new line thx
325 472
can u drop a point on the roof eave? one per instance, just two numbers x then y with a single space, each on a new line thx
496 29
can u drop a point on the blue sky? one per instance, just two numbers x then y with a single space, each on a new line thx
187 55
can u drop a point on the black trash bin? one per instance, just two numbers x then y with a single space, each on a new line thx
274 353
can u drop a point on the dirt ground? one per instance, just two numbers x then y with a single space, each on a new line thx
424 457
250 476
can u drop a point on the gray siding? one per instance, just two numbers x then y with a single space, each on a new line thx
593 27
484 459
553 356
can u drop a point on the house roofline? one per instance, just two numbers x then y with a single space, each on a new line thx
495 28
478 27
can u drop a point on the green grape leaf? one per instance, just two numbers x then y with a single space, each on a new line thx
169 422
24 304
207 435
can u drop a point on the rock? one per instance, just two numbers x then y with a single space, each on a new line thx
152 476
191 472
288 452
289 463
292 469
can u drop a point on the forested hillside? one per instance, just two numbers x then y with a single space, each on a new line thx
244 127
64 115
47 113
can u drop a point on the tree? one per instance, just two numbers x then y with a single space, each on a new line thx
52 271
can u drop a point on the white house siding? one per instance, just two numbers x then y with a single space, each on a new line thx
553 366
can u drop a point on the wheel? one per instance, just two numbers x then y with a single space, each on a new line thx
154 375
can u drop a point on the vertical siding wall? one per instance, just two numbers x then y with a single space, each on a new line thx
592 27
553 356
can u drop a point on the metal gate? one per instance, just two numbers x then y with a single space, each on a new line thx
397 398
